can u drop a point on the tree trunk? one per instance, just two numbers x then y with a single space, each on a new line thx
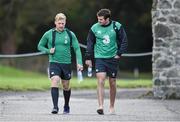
8 46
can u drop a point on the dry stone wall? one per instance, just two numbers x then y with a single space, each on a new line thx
166 48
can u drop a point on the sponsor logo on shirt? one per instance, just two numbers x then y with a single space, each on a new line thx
106 39
66 41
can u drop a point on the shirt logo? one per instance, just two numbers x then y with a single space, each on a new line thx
99 32
65 41
52 73
106 39
97 70
69 75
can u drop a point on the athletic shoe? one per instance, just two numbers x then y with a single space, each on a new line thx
55 110
66 110
100 111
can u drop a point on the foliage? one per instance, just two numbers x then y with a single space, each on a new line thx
24 21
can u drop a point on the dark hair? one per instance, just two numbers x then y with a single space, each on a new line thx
106 13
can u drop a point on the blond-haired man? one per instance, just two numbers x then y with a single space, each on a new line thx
59 41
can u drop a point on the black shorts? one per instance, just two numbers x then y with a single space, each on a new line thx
109 65
62 70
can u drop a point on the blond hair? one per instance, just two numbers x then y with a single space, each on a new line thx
60 16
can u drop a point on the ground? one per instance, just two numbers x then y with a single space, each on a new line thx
131 105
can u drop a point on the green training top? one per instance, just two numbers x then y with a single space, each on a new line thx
106 44
62 52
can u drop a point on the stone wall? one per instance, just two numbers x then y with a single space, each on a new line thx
166 48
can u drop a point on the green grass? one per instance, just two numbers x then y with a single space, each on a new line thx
18 80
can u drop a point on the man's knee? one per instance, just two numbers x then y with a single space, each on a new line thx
65 85
102 82
55 81
101 76
112 81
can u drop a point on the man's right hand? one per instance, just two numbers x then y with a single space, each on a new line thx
52 50
88 63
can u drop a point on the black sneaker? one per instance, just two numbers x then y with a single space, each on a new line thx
55 110
66 110
100 111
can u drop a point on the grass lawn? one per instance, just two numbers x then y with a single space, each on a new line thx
18 80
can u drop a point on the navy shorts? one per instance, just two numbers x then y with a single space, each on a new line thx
62 70
108 65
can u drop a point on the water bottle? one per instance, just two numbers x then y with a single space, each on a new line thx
79 75
89 73
48 73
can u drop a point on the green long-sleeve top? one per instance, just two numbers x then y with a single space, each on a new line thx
62 52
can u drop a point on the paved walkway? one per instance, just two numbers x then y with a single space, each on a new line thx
131 105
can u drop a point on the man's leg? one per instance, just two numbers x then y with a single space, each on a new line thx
55 93
101 76
112 85
67 94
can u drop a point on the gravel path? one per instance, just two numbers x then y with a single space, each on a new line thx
131 105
